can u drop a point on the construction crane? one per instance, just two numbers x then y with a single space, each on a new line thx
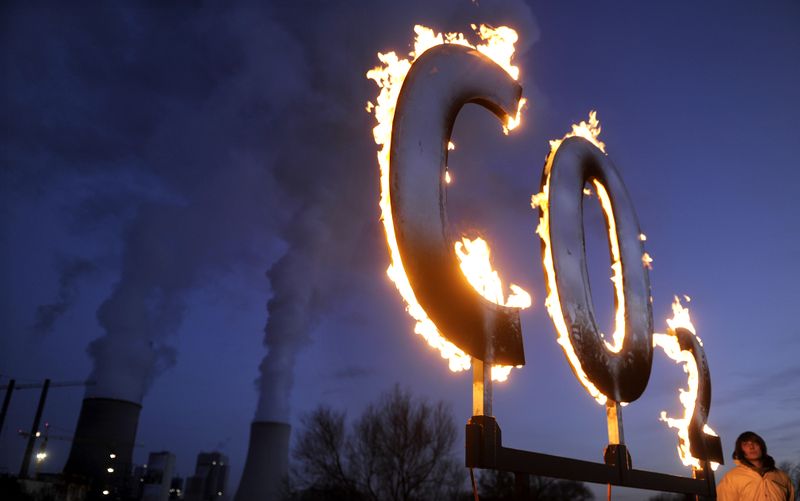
41 455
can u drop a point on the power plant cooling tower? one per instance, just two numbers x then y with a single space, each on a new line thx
102 449
267 462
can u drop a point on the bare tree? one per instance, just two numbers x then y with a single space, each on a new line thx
500 486
320 451
400 449
664 496
793 470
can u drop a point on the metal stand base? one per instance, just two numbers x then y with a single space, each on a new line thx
484 449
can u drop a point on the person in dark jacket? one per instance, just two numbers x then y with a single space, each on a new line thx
755 476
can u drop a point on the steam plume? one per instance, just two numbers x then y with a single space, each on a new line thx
70 270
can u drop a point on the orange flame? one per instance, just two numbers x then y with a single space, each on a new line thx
616 266
475 263
498 44
513 122
474 256
590 131
669 343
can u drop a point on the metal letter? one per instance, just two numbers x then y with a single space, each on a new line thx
439 83
702 445
623 376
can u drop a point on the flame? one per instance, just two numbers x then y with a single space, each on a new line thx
669 343
498 44
475 263
589 131
616 266
513 122
475 258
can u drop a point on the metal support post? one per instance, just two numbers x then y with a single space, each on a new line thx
6 401
522 486
614 422
704 473
26 460
481 388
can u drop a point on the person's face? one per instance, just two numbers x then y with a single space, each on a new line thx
752 451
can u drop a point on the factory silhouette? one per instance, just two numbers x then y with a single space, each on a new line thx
100 464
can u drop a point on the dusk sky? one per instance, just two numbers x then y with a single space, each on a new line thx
168 171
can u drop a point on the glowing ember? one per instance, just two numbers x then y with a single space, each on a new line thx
498 44
669 343
588 131
647 261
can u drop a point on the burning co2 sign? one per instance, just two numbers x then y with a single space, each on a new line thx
457 298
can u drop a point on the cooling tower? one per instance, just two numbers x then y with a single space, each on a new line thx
102 449
267 462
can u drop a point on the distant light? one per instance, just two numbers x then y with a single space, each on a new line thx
40 456
110 470
219 493
213 462
38 434
112 455
105 493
